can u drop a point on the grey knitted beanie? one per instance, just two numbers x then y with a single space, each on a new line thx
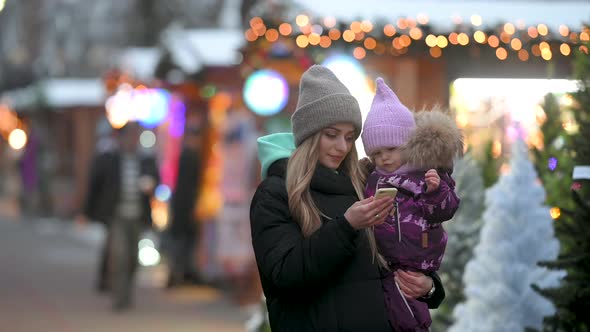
323 100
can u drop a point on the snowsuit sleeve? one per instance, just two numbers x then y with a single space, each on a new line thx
284 256
441 204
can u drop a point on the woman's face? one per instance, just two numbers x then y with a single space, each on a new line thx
336 141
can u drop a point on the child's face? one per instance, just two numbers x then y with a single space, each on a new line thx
387 159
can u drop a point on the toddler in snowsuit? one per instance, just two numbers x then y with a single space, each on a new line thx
413 153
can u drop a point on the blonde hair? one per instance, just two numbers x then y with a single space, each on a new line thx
300 170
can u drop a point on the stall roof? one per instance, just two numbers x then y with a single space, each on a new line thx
197 48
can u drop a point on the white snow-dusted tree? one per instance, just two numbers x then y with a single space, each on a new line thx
463 231
517 233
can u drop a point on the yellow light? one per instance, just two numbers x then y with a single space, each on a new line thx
544 45
302 41
496 149
415 33
250 35
302 20
314 39
453 38
366 26
402 23
356 27
272 35
555 213
476 20
479 36
463 38
565 49
441 41
584 36
325 41
396 43
543 30
389 30
509 28
254 22
523 55
435 52
285 29
516 44
422 18
536 50
2 3
501 53
334 34
504 37
159 215
260 30
533 33
546 54
430 40
359 53
17 139
405 41
462 120
330 22
564 30
370 43
348 36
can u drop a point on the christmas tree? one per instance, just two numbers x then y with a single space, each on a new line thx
517 233
463 231
489 165
553 161
572 298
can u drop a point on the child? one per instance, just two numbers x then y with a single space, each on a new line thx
415 155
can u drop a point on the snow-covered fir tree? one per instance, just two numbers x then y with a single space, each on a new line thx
463 231
517 233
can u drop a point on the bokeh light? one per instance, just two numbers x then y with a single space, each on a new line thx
163 193
17 139
555 212
266 92
147 139
552 164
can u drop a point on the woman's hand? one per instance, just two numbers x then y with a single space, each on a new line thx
368 212
413 284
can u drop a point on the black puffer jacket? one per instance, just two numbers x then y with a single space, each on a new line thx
325 282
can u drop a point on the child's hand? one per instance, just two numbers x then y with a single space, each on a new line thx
432 180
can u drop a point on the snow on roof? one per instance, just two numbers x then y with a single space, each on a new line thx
194 49
141 62
57 93
441 13
73 92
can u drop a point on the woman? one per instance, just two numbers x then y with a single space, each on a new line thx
312 237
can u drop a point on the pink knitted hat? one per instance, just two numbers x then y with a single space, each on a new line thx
389 123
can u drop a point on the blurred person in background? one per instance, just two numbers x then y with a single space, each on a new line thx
184 229
121 182
240 175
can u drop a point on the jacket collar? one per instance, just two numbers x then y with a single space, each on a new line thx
324 180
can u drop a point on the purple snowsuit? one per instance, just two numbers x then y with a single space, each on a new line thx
413 239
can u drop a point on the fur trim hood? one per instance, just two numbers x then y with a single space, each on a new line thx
435 142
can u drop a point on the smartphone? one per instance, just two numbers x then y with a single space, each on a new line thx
386 192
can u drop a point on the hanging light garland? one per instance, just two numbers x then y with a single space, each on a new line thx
409 34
